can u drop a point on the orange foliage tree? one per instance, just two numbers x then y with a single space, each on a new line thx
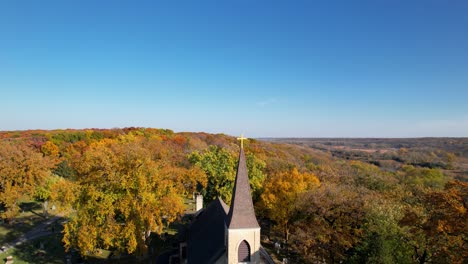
438 231
331 223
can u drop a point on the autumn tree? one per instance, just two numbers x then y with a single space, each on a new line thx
64 193
330 225
448 219
50 149
123 196
21 170
450 158
43 193
281 193
438 229
371 176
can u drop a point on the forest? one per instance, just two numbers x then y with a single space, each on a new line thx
326 200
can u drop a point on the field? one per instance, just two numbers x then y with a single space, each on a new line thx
448 154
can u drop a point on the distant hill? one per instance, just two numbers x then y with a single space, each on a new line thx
429 152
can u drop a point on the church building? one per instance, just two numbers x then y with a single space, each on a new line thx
223 234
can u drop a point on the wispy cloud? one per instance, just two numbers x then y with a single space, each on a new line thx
266 102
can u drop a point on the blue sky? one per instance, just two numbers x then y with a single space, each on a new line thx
264 68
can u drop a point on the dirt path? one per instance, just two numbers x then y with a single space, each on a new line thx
36 232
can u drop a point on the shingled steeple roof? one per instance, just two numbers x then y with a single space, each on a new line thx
242 213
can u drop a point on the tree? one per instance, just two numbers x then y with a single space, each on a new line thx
43 193
422 177
330 224
438 229
123 196
448 217
256 168
21 171
64 192
451 158
383 239
50 149
64 170
281 193
371 176
219 164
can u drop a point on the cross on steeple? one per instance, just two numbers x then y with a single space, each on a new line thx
243 230
242 138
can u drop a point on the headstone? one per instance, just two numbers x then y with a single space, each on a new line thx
277 247
9 260
198 202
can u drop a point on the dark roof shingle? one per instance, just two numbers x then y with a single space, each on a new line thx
242 213
206 234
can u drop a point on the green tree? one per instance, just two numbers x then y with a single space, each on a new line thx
220 166
43 193
371 176
64 170
422 177
383 239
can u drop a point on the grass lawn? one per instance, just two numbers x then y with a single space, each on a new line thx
31 252
25 221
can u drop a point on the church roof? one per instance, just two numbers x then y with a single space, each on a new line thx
242 213
206 234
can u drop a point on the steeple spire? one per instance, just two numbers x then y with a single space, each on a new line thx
242 213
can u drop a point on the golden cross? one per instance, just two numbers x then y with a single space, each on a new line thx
242 138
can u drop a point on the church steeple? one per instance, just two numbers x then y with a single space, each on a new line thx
242 229
242 213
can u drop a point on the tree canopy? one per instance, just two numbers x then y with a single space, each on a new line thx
21 170
331 200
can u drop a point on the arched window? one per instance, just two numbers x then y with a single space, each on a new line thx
243 253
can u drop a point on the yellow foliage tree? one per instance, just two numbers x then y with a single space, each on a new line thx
64 193
50 149
22 170
281 192
124 194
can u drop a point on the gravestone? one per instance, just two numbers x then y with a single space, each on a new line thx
9 260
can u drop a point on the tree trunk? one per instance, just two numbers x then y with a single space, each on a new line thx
45 205
422 259
286 237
